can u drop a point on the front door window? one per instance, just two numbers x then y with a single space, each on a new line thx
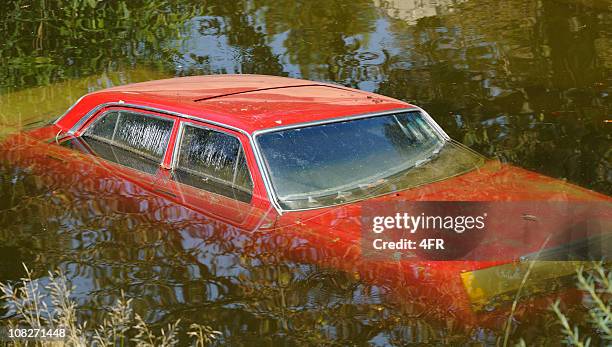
213 161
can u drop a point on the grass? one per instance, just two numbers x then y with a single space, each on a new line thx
28 305
518 295
597 285
50 306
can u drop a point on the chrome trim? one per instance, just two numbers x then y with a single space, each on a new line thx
432 122
119 118
263 170
177 146
95 110
57 136
270 192
97 120
332 120
263 167
76 126
127 148
69 109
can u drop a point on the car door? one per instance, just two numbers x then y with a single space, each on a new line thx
131 144
211 173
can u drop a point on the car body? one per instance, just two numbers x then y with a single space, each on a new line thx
247 115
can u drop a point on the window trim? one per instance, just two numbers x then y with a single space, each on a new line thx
176 154
90 151
76 129
104 113
79 125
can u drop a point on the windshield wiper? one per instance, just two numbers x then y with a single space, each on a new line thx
433 155
369 185
396 177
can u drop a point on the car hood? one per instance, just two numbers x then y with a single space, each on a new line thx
494 183
332 236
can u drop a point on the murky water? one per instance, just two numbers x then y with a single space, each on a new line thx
526 81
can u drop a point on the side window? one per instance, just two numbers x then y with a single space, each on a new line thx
105 126
131 139
144 134
213 161
112 153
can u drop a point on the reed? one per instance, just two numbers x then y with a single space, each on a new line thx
50 306
597 285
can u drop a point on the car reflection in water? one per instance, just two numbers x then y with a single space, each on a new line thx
111 231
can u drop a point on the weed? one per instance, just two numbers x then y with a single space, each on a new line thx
28 305
597 285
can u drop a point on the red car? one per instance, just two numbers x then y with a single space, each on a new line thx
292 164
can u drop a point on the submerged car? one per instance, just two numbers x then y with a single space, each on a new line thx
297 161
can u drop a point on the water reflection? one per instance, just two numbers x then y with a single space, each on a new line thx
177 263
526 81
287 285
515 80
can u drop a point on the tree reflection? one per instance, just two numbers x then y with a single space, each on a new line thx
321 36
523 81
533 95
50 41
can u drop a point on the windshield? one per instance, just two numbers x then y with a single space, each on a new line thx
333 163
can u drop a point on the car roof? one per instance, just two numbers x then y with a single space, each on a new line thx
250 102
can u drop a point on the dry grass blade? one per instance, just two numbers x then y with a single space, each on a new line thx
117 322
519 292
65 314
203 335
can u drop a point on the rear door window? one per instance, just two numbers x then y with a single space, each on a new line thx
144 134
104 127
213 161
135 140
105 150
